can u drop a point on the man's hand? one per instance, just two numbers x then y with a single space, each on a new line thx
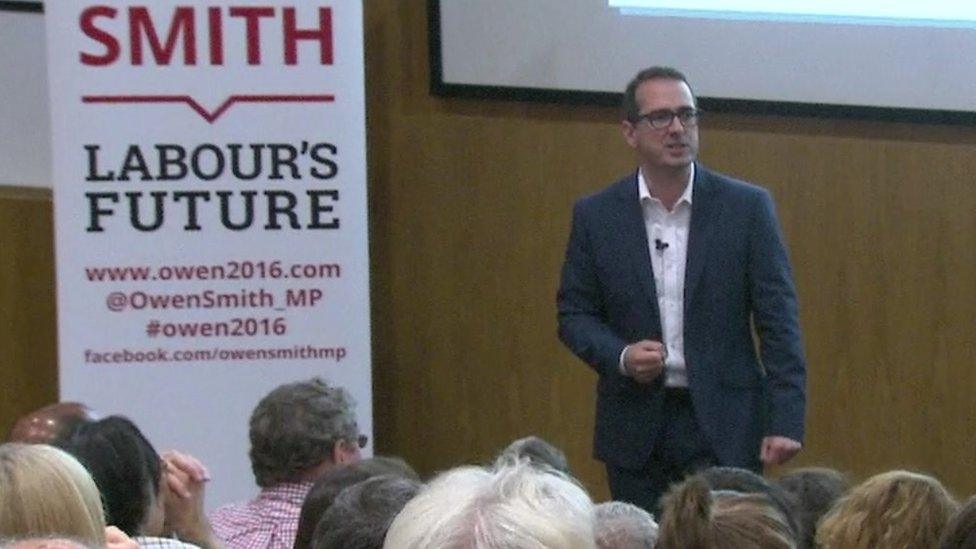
185 478
778 450
644 360
184 473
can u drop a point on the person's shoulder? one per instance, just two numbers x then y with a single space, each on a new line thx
731 188
237 525
620 189
727 182
231 518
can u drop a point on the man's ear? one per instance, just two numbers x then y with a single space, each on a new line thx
340 452
629 131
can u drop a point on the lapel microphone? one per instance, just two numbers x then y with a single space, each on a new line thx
660 245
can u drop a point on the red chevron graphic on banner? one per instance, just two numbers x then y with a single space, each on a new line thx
210 117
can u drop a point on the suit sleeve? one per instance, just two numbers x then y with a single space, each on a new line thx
580 305
775 315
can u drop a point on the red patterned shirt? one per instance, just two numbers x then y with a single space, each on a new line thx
269 521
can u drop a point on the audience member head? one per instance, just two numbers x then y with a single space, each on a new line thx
300 430
734 479
619 525
126 469
695 517
46 492
814 491
894 509
361 514
961 531
516 506
538 452
44 425
328 486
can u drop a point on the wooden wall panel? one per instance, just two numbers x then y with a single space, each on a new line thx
884 245
470 204
28 353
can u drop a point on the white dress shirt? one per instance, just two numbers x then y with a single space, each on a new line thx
667 240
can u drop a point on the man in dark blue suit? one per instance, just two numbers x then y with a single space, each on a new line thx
667 273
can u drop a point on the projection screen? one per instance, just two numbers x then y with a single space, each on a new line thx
872 59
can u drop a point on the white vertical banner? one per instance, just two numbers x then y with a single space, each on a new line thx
211 217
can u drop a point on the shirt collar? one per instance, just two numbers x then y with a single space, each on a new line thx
643 194
292 492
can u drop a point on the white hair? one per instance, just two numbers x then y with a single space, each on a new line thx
620 525
516 506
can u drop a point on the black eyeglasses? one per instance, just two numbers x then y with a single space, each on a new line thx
359 440
663 118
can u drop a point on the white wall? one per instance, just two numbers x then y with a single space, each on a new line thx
25 145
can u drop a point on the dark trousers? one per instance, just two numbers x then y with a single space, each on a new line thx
681 449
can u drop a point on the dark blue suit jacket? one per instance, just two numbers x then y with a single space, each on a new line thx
737 274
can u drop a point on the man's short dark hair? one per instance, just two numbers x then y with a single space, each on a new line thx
124 465
538 451
960 533
328 486
630 108
815 490
361 514
295 427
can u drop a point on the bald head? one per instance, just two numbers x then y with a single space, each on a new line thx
44 425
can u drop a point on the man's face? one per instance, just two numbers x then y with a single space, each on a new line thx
674 146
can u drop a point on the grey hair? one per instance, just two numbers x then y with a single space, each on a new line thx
516 506
361 514
537 451
295 427
620 525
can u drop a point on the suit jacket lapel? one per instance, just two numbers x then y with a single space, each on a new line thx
703 211
634 237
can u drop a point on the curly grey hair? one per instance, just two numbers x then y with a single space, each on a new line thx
295 427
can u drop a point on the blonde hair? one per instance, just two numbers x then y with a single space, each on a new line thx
894 509
46 492
694 517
